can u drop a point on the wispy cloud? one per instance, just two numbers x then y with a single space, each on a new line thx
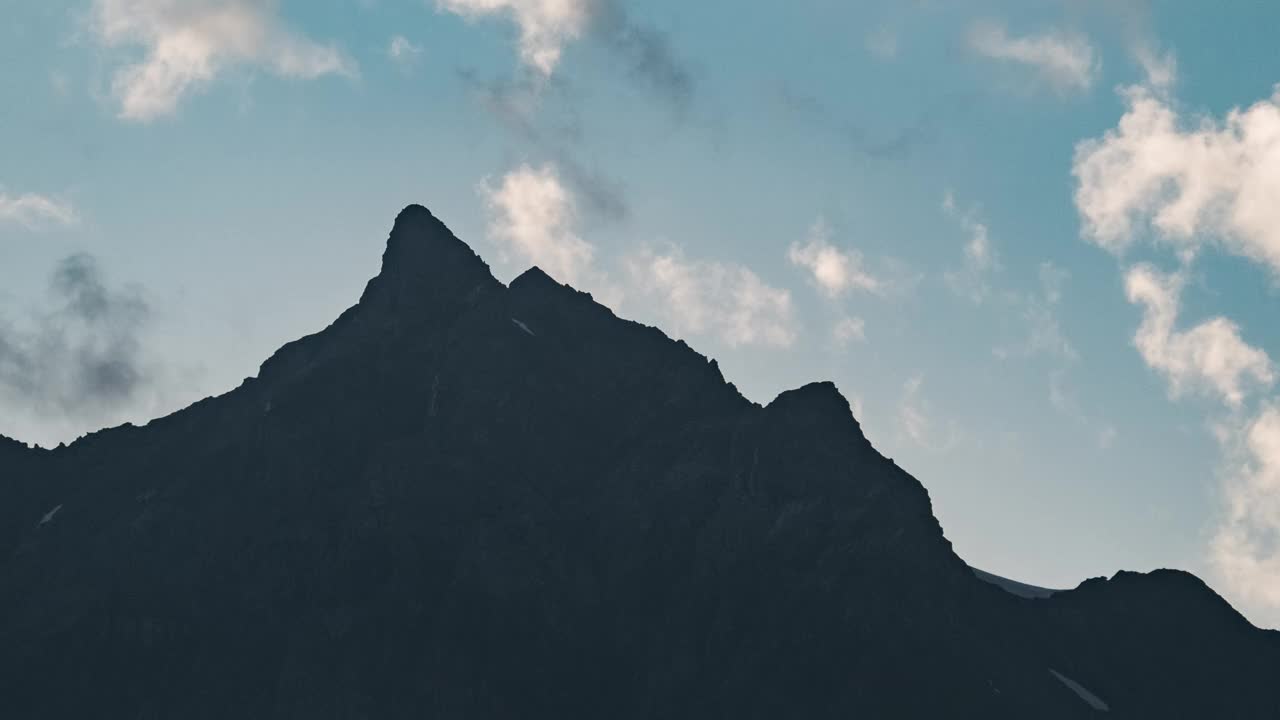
1065 61
403 51
916 420
36 212
972 281
187 43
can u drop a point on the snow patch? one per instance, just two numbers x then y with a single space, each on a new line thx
1093 701
49 516
523 327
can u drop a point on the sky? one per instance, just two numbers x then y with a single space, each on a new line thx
1033 243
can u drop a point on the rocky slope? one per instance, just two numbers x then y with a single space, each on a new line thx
468 500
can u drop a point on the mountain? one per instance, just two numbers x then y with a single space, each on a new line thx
470 500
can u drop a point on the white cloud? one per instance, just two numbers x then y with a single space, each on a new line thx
403 51
187 43
849 329
1246 546
546 26
35 212
1210 357
834 271
1212 182
533 215
709 297
1066 61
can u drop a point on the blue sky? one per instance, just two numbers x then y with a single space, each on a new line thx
1032 242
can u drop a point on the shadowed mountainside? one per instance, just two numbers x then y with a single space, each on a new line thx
467 500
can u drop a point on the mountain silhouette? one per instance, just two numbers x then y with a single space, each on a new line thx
470 500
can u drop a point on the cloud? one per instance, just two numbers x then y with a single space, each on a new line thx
81 361
1194 183
980 259
403 52
645 51
1065 61
900 142
849 330
834 271
546 26
1210 357
714 298
35 212
916 422
187 43
1245 548
514 104
533 215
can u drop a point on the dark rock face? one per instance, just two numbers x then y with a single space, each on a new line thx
465 500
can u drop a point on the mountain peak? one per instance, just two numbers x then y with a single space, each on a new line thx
426 266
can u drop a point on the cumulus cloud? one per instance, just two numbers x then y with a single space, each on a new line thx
1209 357
726 300
1065 61
187 43
834 271
82 360
1194 182
35 212
533 215
1246 546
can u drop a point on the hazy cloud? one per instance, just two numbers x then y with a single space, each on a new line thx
922 130
35 212
849 330
1065 61
645 52
84 358
187 43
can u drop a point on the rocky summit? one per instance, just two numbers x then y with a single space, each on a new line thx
470 500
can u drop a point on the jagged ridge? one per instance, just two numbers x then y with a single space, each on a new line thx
465 499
